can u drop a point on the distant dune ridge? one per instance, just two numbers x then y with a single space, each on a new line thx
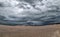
29 12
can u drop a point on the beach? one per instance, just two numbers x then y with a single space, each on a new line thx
30 31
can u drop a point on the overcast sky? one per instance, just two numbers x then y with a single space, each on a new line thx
30 10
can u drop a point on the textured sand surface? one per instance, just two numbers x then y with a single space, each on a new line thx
30 31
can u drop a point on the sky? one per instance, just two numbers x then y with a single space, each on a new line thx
35 12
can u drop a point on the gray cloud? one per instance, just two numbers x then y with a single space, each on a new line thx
29 12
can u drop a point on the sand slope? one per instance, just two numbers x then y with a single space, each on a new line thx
30 31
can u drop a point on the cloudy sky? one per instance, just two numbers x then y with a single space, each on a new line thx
35 12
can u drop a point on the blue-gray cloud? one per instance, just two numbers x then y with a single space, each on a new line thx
29 12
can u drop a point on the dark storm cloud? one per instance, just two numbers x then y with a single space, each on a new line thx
1 4
30 1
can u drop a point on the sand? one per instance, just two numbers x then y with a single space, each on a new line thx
30 31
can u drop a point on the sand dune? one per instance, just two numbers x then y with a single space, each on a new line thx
30 31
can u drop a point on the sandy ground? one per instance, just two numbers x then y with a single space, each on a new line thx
30 31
